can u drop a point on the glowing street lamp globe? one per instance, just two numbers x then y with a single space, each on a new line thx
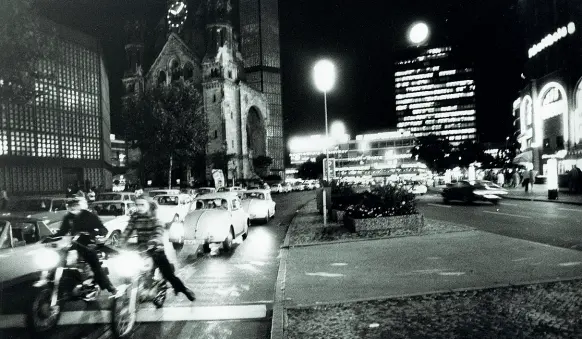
337 129
418 33
324 75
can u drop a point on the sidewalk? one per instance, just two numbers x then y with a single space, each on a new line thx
539 193
377 269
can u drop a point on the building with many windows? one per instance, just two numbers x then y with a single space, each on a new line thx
378 156
62 138
549 107
259 29
435 94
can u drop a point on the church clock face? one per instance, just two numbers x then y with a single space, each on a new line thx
177 14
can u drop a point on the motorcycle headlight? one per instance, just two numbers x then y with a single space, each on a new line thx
47 259
126 265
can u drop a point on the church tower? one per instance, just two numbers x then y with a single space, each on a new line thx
133 80
221 67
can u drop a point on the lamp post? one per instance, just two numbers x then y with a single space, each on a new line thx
324 78
418 33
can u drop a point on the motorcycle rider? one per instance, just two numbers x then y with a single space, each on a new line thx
78 220
150 231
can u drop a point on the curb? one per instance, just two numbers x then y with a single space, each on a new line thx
544 200
279 318
452 290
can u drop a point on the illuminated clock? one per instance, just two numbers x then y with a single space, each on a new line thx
177 14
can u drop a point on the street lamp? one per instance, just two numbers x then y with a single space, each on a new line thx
324 78
418 33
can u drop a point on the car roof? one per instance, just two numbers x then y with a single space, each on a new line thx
18 218
218 195
109 201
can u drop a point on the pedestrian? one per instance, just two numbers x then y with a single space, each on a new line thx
3 199
532 178
80 194
501 179
525 181
516 178
91 194
578 180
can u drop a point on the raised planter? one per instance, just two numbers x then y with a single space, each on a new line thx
337 215
413 222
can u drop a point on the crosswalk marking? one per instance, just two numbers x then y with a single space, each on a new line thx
192 313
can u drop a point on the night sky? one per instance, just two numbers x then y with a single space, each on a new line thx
360 37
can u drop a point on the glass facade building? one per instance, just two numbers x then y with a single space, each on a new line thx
62 138
259 29
435 95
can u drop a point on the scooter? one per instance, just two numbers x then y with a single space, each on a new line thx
141 282
65 277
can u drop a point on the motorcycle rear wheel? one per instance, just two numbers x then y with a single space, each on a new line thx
40 317
123 319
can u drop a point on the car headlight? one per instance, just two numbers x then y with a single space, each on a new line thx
176 230
47 259
127 264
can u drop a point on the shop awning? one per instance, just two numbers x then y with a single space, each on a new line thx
525 157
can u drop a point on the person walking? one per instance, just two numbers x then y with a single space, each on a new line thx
3 199
501 179
525 181
516 178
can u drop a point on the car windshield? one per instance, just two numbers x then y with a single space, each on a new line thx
167 200
209 204
224 189
254 195
113 209
109 196
33 205
205 190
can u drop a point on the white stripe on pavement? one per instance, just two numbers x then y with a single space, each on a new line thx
508 204
570 209
201 313
508 214
437 205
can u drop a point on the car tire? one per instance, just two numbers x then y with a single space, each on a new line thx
114 239
246 233
267 218
227 243
177 246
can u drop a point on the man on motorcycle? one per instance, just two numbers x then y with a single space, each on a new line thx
150 231
78 220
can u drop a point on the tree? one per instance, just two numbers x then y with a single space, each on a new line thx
262 162
467 153
433 151
168 125
311 169
25 41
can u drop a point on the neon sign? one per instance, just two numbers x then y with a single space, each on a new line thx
551 39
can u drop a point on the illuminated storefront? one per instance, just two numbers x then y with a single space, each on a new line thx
375 156
434 95
62 138
550 106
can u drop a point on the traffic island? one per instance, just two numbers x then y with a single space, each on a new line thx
529 311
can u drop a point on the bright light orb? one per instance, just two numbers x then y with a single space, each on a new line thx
418 33
337 129
324 75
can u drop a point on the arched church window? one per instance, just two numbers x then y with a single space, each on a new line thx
188 71
175 67
213 97
215 134
162 78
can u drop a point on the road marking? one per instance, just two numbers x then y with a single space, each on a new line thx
570 209
508 204
438 205
508 214
169 314
339 264
325 274
573 263
452 273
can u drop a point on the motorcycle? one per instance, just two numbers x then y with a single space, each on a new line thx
64 277
141 282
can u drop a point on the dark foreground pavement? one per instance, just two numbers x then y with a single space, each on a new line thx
235 293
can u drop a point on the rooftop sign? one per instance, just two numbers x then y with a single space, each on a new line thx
552 38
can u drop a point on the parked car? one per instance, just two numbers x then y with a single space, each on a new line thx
259 205
20 238
114 215
172 208
298 186
49 209
277 188
216 218
153 193
205 190
287 187
116 196
308 185
230 189
470 191
417 188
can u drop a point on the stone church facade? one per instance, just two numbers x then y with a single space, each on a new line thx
203 48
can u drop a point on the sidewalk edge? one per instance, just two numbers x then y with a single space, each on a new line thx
279 313
544 200
452 290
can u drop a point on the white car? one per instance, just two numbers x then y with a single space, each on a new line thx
154 193
114 215
205 190
277 188
216 218
258 204
116 196
172 208
419 189
287 187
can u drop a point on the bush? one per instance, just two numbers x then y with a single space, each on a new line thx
343 197
385 201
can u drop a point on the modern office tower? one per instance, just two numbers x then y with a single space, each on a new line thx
259 29
435 94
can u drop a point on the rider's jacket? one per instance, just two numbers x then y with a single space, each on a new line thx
148 229
85 221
